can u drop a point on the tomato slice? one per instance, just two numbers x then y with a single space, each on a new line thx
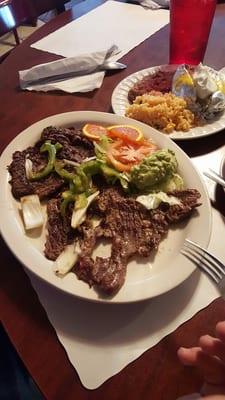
119 165
123 156
148 143
127 133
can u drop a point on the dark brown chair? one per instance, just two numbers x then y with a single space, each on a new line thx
42 6
7 19
16 12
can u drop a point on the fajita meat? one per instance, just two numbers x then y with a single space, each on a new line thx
75 148
133 230
21 186
59 230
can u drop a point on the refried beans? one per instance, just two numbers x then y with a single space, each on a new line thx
160 81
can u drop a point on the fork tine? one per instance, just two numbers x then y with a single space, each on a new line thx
210 257
216 173
215 177
209 263
197 259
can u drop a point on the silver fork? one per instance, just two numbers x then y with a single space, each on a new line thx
215 177
206 261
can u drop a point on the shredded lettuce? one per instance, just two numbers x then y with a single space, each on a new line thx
153 200
101 149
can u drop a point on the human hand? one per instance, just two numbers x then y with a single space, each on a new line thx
209 358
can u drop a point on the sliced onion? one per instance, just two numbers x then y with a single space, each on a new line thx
77 164
67 259
89 159
78 216
96 221
32 211
28 168
69 162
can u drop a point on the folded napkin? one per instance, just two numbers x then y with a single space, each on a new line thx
73 74
156 4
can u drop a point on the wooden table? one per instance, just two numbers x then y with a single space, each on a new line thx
157 374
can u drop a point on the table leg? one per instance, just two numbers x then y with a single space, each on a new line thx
60 6
17 39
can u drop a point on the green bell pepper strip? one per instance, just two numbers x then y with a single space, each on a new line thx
52 150
85 171
72 187
77 179
81 201
61 171
79 183
91 167
80 177
68 197
84 180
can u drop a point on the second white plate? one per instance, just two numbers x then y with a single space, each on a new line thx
120 103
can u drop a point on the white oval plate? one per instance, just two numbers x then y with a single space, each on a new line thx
145 278
120 103
222 167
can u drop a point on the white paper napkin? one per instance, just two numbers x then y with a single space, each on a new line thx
72 74
100 340
126 24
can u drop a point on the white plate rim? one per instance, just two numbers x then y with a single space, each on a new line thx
36 263
119 102
222 167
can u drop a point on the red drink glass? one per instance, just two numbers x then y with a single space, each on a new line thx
190 24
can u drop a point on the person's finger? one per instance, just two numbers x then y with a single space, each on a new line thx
220 331
188 356
212 369
212 346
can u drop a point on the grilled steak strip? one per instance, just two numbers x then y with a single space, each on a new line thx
75 148
21 186
189 200
133 231
59 230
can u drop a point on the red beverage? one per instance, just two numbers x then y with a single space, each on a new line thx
190 24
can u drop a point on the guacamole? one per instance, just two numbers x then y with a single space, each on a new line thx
154 170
